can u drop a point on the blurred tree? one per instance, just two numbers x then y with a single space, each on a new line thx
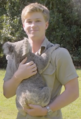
64 26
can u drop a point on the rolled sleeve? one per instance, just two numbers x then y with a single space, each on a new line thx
10 69
8 74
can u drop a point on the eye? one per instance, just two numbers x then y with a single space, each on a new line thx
29 22
38 20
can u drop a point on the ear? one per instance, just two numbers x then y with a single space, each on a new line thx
7 48
47 24
24 27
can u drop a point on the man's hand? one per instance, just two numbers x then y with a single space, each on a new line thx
36 110
25 70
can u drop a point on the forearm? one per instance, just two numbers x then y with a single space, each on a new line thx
70 94
24 71
63 100
10 86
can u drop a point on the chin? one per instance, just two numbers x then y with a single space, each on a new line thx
33 37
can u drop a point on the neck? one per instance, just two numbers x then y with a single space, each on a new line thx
36 44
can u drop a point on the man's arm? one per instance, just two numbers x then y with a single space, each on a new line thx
10 86
70 94
67 76
24 71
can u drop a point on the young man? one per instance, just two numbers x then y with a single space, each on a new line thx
61 71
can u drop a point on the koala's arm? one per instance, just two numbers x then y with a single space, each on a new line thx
41 61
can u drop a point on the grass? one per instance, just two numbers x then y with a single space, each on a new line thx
73 110
8 109
7 106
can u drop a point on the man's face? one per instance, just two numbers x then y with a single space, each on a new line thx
35 26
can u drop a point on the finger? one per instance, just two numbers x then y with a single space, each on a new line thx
28 110
26 106
34 69
23 61
31 63
34 66
34 72
31 106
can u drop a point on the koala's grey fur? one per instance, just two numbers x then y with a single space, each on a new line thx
32 90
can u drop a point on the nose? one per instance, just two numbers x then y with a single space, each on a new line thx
33 24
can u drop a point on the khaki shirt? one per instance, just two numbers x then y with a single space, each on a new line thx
59 71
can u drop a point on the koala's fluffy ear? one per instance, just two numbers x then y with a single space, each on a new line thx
7 48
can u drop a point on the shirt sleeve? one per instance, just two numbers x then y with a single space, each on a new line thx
10 69
65 70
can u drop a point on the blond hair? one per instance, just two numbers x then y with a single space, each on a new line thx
35 7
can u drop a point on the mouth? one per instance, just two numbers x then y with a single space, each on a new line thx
32 31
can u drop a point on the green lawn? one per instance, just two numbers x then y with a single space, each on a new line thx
8 109
73 111
7 106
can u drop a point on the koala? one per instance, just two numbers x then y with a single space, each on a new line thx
32 90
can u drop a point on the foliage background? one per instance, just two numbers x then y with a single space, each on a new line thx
64 28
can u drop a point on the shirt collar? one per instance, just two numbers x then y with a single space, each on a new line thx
43 46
